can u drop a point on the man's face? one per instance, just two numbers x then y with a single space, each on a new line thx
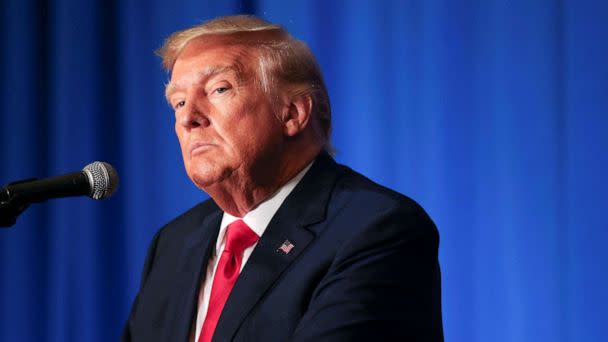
225 124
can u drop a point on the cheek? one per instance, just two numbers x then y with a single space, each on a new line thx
181 138
246 127
229 125
180 135
258 136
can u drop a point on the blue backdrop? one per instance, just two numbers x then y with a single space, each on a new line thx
492 114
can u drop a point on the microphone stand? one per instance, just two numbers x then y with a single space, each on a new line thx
10 208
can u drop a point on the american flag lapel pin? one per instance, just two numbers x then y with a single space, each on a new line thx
286 247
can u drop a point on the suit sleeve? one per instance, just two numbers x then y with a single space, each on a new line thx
149 261
384 284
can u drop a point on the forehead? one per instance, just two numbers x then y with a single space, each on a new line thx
204 57
213 52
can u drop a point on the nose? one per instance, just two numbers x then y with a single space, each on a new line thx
192 116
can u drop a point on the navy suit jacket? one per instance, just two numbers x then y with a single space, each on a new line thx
363 267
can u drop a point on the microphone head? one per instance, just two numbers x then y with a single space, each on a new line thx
103 179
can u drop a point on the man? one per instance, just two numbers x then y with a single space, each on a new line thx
292 246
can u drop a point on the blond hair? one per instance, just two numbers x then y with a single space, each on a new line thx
283 61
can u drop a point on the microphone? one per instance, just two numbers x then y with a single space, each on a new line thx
97 180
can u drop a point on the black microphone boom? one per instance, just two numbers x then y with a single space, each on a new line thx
97 180
31 191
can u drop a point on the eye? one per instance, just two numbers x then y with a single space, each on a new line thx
179 104
221 90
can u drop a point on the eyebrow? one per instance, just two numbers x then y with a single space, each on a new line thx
201 76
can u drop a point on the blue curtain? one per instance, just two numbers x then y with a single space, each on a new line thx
492 114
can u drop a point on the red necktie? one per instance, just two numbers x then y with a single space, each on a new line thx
238 237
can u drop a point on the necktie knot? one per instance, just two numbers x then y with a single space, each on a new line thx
239 236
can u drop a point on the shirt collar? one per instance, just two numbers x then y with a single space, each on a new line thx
259 218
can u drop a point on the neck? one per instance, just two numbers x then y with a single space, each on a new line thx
238 195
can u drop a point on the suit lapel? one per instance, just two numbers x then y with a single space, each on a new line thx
198 246
304 206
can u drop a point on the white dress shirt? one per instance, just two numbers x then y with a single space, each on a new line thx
257 220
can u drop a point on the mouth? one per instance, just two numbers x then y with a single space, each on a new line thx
199 147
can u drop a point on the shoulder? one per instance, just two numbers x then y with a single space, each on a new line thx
367 196
188 222
377 249
360 208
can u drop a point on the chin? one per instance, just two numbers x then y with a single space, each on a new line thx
207 177
202 180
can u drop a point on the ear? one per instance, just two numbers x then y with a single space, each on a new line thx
296 114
